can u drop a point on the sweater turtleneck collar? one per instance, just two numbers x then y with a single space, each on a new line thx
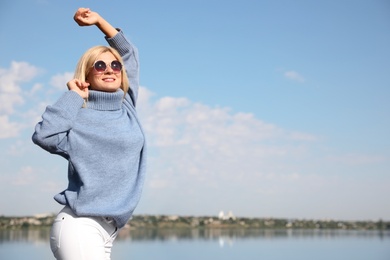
105 101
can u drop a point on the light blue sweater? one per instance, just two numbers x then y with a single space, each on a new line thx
104 144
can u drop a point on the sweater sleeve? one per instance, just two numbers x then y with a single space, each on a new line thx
129 54
57 120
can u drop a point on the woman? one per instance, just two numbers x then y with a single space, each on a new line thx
95 127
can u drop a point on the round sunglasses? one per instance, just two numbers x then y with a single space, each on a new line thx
101 67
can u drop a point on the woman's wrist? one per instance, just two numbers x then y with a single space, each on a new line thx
106 27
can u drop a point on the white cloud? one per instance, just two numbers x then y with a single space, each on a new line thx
32 116
59 81
10 80
11 95
9 129
213 146
295 76
178 121
17 73
8 101
36 87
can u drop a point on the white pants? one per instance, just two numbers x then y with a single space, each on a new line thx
81 238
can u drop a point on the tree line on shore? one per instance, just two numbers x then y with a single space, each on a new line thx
164 221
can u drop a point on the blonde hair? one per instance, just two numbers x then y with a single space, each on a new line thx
86 62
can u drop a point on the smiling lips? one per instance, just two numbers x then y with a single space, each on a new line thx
108 79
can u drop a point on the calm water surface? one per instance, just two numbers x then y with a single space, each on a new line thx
217 244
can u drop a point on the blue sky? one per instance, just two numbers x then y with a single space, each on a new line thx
262 108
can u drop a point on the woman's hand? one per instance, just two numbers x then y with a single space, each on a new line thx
79 86
85 17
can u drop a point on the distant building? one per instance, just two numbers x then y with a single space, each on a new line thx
230 215
43 215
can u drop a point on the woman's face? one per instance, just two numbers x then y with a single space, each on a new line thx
108 80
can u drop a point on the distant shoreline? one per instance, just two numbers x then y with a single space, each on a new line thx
165 221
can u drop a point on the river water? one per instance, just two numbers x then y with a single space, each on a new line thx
226 244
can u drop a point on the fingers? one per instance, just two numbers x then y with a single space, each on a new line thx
82 85
75 84
79 87
81 16
82 12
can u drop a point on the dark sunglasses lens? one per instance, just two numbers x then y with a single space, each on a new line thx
116 65
100 66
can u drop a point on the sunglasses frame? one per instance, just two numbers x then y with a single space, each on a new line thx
114 70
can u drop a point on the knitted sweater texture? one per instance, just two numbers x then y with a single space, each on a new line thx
104 144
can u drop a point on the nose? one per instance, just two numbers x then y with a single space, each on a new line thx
109 70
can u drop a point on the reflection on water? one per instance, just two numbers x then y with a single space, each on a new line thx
223 236
217 234
25 235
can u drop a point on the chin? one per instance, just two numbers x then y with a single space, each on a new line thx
109 89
